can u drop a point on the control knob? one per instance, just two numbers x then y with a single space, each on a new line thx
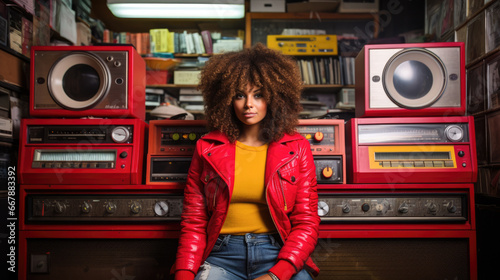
403 208
432 207
318 136
161 208
86 207
323 208
346 208
365 207
110 207
135 207
327 172
451 207
59 207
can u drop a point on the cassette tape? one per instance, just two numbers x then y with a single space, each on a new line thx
411 150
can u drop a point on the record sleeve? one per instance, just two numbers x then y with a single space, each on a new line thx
494 137
475 38
459 12
492 32
481 144
493 81
473 6
476 87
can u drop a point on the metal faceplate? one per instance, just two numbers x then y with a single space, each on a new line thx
421 207
103 208
329 169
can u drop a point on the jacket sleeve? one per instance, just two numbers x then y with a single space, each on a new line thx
304 218
192 239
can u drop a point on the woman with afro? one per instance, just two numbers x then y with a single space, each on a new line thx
250 201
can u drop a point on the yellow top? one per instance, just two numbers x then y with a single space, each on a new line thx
248 211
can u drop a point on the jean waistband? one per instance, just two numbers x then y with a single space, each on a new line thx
252 236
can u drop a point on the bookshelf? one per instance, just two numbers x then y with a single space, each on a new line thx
349 20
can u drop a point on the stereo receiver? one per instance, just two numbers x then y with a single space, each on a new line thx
412 150
82 151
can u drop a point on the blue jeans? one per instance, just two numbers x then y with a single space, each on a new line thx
243 257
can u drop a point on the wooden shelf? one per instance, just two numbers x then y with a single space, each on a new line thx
305 16
306 87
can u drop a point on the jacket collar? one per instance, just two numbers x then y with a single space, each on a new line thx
222 138
222 158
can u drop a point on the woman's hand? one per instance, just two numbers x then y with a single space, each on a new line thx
264 277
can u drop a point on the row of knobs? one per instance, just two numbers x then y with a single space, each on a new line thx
178 136
323 207
161 208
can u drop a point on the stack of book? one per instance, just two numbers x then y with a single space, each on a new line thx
191 100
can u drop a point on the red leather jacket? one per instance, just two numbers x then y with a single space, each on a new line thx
291 194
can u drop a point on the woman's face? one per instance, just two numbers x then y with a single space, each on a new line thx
250 106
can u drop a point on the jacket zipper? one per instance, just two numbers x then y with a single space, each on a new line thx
282 190
216 189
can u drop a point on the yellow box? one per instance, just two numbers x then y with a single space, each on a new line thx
304 44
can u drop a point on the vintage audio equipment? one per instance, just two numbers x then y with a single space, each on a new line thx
327 140
377 231
304 44
175 137
80 81
171 145
411 150
425 79
164 169
98 207
82 151
97 231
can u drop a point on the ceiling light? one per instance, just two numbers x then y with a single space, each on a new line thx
207 9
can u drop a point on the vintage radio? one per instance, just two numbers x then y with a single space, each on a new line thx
171 145
411 150
304 44
327 140
82 151
80 81
425 79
